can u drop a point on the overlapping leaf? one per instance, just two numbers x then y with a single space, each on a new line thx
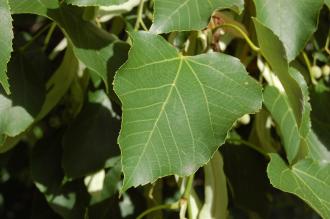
177 110
18 111
292 21
320 100
92 46
278 105
215 189
180 15
9 113
307 179
291 131
91 139
6 37
60 82
273 50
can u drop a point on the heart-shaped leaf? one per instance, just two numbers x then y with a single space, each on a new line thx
177 110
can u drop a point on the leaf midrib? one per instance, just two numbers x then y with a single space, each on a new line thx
158 117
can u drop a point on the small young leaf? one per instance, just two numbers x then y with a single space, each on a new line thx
177 110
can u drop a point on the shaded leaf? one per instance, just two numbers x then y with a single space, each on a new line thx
292 21
8 114
6 37
92 45
317 151
215 188
46 169
320 100
91 139
111 183
273 50
161 92
181 15
307 179
241 162
60 82
18 112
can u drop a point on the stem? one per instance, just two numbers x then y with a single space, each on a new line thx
49 34
186 193
308 63
326 47
171 206
185 197
29 43
252 146
139 19
244 35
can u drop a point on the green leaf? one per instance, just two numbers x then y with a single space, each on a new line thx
292 21
177 110
26 71
290 130
278 105
96 2
8 114
31 6
46 169
60 82
91 139
241 162
317 151
320 100
215 188
111 183
93 46
307 179
186 15
327 2
275 55
6 37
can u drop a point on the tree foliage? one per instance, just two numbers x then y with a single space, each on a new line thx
184 108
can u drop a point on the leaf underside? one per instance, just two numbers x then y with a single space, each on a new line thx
307 179
180 15
177 110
